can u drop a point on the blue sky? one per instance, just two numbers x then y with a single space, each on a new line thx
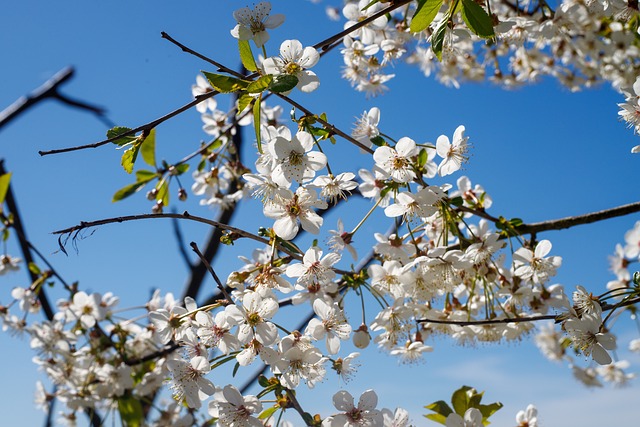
539 151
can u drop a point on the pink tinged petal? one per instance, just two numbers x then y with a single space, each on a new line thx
343 401
307 81
368 400
443 146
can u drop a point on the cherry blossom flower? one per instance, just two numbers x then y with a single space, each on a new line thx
367 126
528 417
9 263
252 24
472 418
232 409
532 265
252 318
294 208
294 159
588 338
334 187
314 268
453 153
341 240
414 205
202 87
357 12
189 382
396 162
295 61
332 324
365 414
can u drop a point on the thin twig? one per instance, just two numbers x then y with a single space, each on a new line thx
212 272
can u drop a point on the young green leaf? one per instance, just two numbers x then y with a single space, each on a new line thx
425 13
437 39
182 168
246 56
225 84
460 399
163 192
256 121
143 175
268 412
477 19
488 410
148 149
442 411
4 187
243 102
128 190
283 83
260 85
378 141
119 130
131 411
129 158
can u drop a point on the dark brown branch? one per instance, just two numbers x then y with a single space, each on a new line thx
185 215
571 221
327 42
142 128
49 90
25 248
211 271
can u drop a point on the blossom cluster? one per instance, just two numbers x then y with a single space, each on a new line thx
443 269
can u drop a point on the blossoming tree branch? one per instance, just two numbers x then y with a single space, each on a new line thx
444 262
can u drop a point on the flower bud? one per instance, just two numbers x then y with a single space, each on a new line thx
361 337
182 194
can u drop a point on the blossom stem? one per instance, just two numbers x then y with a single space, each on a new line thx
365 217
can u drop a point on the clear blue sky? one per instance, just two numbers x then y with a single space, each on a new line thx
540 152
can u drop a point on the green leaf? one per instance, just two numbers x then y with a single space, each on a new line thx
131 411
119 130
441 409
460 399
148 148
128 190
34 268
225 84
283 83
425 13
477 19
243 102
263 381
256 121
422 157
143 175
456 201
129 158
4 187
246 55
260 85
437 39
488 410
267 413
378 141
163 192
182 168
235 369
